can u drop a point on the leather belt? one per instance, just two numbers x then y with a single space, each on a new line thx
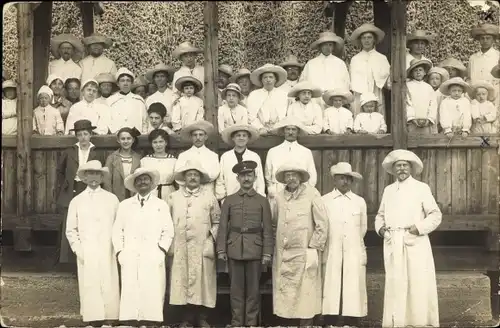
246 230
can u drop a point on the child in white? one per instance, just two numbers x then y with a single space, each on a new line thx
369 121
188 109
47 120
337 119
9 108
484 113
231 112
309 113
455 111
421 100
435 77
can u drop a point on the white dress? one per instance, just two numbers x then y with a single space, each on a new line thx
164 165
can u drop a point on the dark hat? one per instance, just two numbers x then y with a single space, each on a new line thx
82 125
244 166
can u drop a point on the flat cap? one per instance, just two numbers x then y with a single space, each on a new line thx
244 166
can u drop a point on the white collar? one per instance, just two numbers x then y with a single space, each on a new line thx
90 145
288 143
93 191
198 149
406 182
337 193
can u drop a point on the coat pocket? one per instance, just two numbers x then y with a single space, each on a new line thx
209 249
312 261
409 239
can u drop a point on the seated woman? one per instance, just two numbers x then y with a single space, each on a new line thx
308 112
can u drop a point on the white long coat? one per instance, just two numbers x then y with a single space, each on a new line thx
89 234
410 297
345 255
141 235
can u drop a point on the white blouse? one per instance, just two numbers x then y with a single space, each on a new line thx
421 101
489 112
266 108
91 67
164 165
326 72
187 111
310 114
231 116
455 115
198 72
65 69
95 112
9 116
370 122
480 65
338 120
127 111
369 69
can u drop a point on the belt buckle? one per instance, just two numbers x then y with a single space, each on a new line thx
244 229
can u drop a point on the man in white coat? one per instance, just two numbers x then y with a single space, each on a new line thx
408 213
142 234
89 230
96 62
66 48
344 258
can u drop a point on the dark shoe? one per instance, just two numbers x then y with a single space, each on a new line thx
203 323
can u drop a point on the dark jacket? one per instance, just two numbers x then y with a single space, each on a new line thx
115 182
245 227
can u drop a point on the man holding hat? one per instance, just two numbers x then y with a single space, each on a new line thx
65 48
196 214
107 86
142 235
96 63
408 213
245 241
344 259
89 234
127 108
160 75
301 222
186 52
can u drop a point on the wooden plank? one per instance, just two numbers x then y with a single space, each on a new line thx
384 178
330 158
489 192
39 180
443 180
370 179
318 161
441 141
420 153
357 165
41 43
459 181
51 186
9 183
429 173
493 180
87 14
474 161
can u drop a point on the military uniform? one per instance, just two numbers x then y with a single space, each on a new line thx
246 236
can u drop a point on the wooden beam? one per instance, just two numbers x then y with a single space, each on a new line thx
211 30
87 12
41 45
441 141
25 27
398 74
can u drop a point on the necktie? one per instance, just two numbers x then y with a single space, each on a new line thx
142 202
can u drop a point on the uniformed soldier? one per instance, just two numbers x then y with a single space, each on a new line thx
245 240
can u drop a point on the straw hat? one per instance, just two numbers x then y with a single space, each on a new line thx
482 84
364 29
93 165
291 60
441 71
160 68
367 97
124 71
344 168
305 85
419 35
327 36
200 125
52 77
56 42
184 48
84 84
105 78
269 68
485 29
130 179
82 125
192 165
139 82
97 38
224 68
45 89
291 167
496 72
444 88
402 155
453 62
232 87
9 84
346 94
288 121
418 62
227 133
241 72
189 78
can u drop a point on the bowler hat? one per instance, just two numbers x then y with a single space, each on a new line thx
82 125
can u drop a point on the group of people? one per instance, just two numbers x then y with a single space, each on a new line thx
325 94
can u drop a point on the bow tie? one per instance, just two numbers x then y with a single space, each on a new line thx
189 193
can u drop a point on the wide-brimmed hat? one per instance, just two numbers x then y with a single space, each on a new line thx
189 78
346 94
495 71
105 78
402 155
288 121
130 179
200 125
56 42
291 60
482 84
291 167
231 87
97 38
444 88
139 82
419 35
45 89
241 72
84 84
227 133
453 62
184 48
419 62
485 29
327 36
269 68
160 68
344 168
52 77
124 71
366 97
441 71
364 29
82 125
225 68
305 85
93 165
9 84
191 165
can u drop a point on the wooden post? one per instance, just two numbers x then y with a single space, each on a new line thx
41 44
25 27
398 74
210 18
87 12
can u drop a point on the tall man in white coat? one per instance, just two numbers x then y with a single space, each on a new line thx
89 229
407 214
344 286
142 234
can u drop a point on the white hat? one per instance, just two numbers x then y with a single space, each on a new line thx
364 29
185 47
445 87
305 85
454 63
97 38
269 68
94 165
346 94
130 180
287 121
53 77
225 68
84 84
289 167
232 87
124 71
402 155
56 42
9 84
241 72
419 62
191 165
344 168
198 85
291 61
105 78
419 35
367 97
227 133
45 89
441 71
327 36
485 29
160 68
200 125
483 84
